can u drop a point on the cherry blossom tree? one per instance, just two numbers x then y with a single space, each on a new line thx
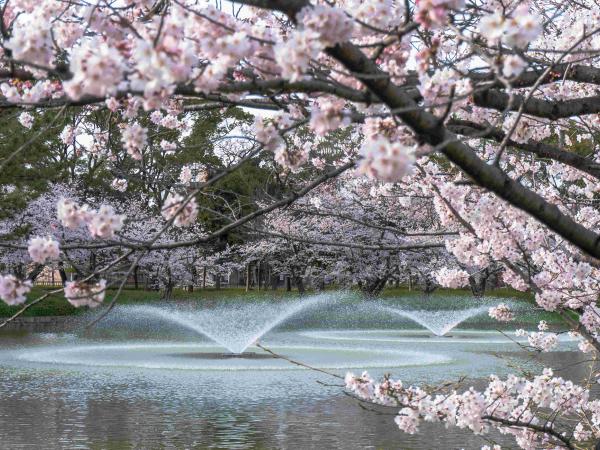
488 108
354 231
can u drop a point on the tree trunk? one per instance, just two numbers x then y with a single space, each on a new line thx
299 281
218 281
194 277
18 272
288 283
135 277
168 290
204 278
321 284
62 273
92 262
37 269
478 282
373 287
258 275
428 285
247 277
168 286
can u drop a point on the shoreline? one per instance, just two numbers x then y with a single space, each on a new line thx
41 323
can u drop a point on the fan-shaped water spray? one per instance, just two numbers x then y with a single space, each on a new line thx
234 326
439 322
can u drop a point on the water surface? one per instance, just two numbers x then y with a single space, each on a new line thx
63 391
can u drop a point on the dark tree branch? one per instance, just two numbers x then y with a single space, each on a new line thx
548 109
539 428
474 129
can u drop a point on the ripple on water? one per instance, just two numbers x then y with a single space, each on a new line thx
203 357
456 337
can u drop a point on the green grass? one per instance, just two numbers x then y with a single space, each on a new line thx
443 292
56 305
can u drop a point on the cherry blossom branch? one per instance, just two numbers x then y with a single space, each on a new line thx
370 225
548 109
428 128
298 363
325 243
470 128
539 428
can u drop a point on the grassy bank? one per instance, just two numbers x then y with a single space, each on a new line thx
443 292
56 305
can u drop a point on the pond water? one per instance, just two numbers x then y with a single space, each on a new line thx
66 391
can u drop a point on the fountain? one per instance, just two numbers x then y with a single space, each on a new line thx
332 331
234 326
439 322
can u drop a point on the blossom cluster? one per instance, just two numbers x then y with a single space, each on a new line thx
31 39
101 223
443 86
452 278
321 26
80 293
516 400
384 160
134 138
12 290
42 249
268 135
433 13
291 158
26 119
97 67
381 14
501 312
539 340
119 184
327 115
182 211
18 91
517 30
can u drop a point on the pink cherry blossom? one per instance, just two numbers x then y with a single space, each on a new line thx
104 222
385 161
119 184
97 69
327 115
12 290
71 214
513 66
134 138
501 313
79 293
452 278
184 215
42 249
26 119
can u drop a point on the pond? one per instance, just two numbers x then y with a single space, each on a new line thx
144 382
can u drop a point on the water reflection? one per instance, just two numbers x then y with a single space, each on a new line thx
52 405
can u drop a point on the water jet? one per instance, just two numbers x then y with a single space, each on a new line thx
439 322
233 326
